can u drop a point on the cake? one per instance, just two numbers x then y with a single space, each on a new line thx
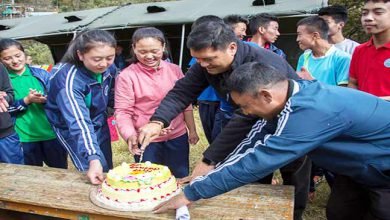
137 187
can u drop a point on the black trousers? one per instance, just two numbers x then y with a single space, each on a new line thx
351 200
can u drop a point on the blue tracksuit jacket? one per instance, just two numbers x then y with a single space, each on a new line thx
343 130
78 126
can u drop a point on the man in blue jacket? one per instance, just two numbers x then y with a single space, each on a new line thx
354 144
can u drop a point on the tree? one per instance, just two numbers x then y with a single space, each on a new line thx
38 51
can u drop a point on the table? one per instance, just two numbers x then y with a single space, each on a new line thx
65 194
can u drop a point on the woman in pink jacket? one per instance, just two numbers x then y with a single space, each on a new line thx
139 90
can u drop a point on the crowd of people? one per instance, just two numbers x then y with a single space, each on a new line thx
258 113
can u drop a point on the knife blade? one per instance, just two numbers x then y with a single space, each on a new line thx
141 157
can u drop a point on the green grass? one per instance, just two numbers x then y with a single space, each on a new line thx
315 210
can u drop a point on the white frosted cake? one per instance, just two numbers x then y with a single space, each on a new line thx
137 187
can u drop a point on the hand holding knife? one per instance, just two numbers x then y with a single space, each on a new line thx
147 133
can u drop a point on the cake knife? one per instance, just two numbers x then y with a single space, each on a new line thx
141 156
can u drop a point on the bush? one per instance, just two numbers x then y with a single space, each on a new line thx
39 52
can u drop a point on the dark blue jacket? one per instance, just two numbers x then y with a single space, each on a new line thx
348 134
77 125
43 77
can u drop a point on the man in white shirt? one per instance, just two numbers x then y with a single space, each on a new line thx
336 16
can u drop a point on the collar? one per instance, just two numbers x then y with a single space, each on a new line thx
238 57
327 53
92 75
371 43
26 72
150 69
293 88
290 88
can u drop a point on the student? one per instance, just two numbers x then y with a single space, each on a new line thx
29 60
139 90
30 84
353 144
324 62
10 147
78 98
321 60
264 28
370 65
336 16
218 53
238 24
119 58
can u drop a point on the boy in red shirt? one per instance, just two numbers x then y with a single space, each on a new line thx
370 65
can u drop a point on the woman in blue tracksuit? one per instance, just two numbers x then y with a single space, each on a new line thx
78 98
38 140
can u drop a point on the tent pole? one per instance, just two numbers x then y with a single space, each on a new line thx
183 31
74 35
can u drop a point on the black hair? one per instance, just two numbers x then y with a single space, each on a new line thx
337 12
206 18
260 20
212 34
249 77
6 43
148 32
84 42
232 20
315 24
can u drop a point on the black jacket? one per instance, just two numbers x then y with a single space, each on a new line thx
197 79
6 124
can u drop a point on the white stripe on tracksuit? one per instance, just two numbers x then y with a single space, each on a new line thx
87 138
72 154
256 128
234 158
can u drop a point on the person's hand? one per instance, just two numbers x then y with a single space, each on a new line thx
166 131
133 145
200 169
95 172
149 132
193 137
34 97
173 203
3 102
305 74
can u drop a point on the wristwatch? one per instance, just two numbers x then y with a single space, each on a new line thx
208 162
